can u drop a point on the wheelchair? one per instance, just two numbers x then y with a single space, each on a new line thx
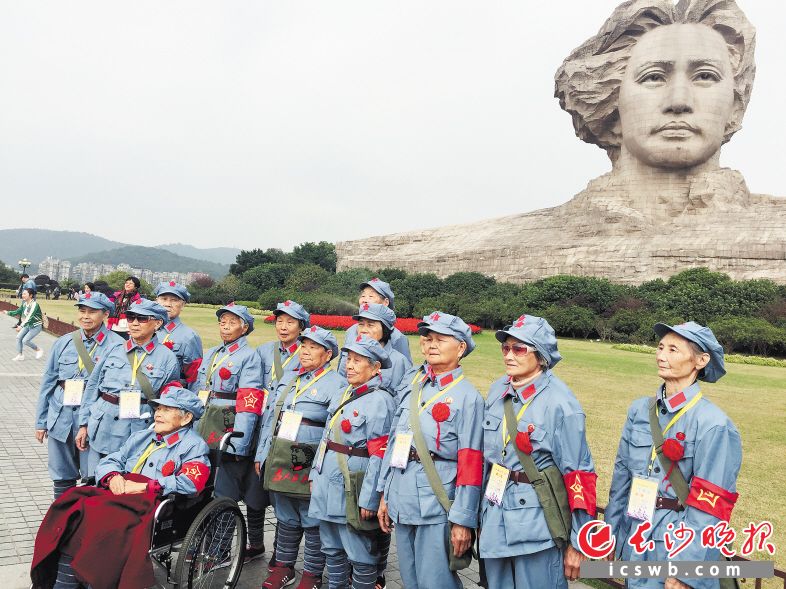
200 541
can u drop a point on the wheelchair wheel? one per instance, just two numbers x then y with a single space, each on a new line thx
214 547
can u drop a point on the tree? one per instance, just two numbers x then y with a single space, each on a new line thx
203 281
268 276
572 321
307 278
597 294
322 254
249 259
8 274
468 283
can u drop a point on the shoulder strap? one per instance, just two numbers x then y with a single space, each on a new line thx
527 463
280 404
425 458
277 366
677 479
144 382
76 337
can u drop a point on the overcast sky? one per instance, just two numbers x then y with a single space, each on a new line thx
266 124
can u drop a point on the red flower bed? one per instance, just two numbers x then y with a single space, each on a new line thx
405 325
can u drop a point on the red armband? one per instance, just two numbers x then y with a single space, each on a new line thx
196 472
377 446
580 486
249 401
469 471
191 371
711 498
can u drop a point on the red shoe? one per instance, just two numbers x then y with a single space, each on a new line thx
280 576
310 581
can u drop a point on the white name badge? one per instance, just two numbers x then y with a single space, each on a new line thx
498 480
290 424
203 396
122 324
129 404
400 455
72 392
643 495
320 456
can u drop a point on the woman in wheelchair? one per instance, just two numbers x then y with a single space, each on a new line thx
115 518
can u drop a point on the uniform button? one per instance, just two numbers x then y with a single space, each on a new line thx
116 418
664 411
423 404
147 421
488 422
490 503
522 501
515 399
656 469
504 452
150 464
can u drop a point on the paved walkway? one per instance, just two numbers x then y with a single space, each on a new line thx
26 490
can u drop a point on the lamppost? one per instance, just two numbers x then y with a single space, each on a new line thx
24 263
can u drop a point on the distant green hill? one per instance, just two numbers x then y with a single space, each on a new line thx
37 244
219 255
158 260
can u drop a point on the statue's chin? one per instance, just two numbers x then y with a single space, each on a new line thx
680 158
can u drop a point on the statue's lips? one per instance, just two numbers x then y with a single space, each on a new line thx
676 130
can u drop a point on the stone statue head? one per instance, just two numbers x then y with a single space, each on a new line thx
668 84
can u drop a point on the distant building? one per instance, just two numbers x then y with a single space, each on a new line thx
62 270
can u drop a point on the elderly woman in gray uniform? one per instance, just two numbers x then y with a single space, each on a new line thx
378 322
71 363
176 335
115 402
288 445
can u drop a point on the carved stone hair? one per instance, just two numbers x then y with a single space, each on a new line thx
587 83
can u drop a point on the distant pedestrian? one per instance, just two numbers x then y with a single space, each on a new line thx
30 324
122 299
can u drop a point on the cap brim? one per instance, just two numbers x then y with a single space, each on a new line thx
661 329
92 305
172 292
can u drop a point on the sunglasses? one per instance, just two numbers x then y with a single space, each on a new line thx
139 318
518 349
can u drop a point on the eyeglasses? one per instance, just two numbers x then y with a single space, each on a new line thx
518 349
139 318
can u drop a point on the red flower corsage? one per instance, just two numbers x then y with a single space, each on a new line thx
680 436
346 427
523 442
170 344
224 373
673 450
440 412
168 468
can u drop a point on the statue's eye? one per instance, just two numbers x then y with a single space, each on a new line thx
706 76
653 78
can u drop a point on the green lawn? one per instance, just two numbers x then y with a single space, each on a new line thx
606 381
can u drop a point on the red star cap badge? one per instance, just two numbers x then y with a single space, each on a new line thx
231 304
365 306
358 338
171 283
375 279
287 303
435 317
313 328
88 295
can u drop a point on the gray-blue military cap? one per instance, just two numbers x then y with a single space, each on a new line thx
95 300
706 340
535 332
370 348
448 325
240 311
174 288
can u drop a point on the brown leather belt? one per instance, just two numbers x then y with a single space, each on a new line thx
225 396
666 503
519 477
306 421
116 400
348 450
413 455
61 384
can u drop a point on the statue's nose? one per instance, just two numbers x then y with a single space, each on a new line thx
679 96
